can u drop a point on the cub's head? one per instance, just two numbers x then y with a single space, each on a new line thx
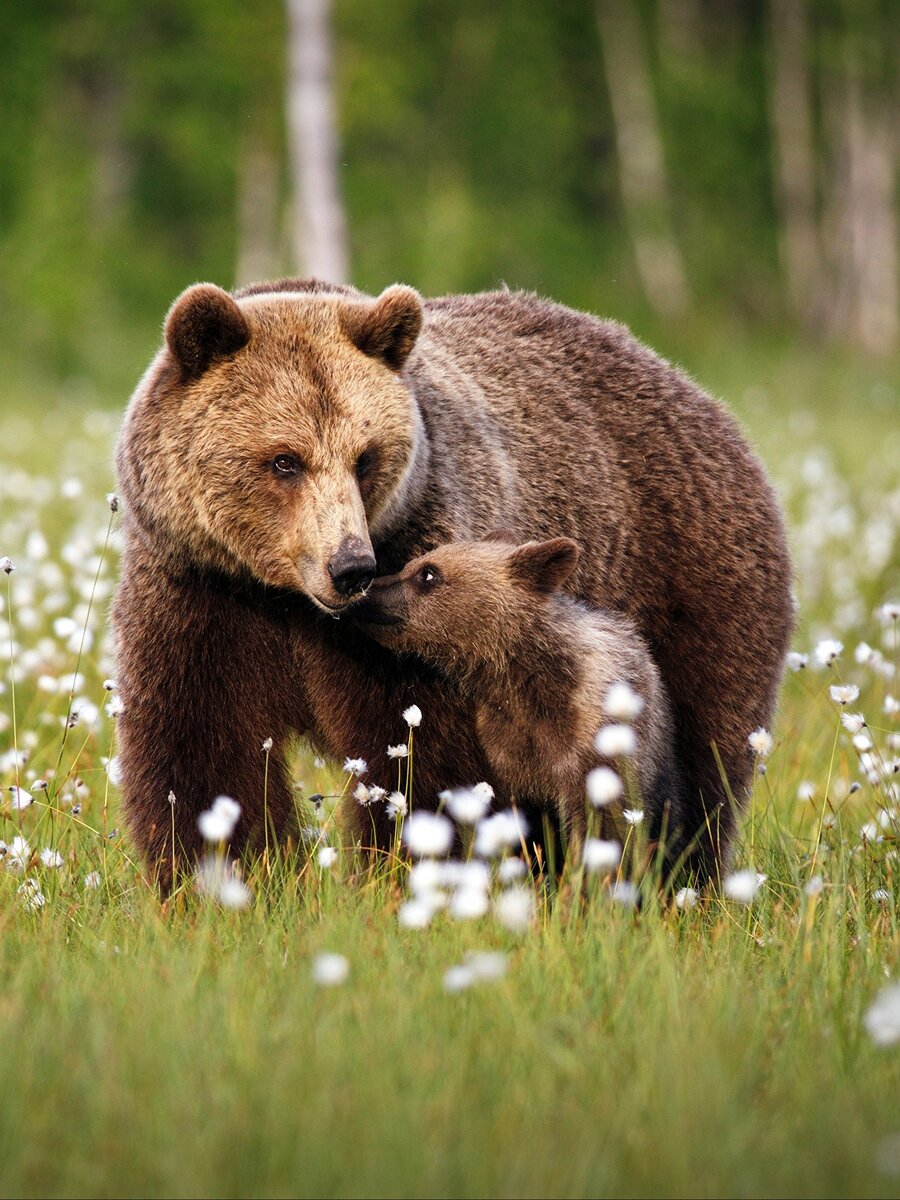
275 433
466 602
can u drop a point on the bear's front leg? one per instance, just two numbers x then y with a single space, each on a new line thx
202 678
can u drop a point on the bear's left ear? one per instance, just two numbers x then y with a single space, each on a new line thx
544 566
204 324
388 328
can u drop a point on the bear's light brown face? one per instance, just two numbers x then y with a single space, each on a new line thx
276 433
465 603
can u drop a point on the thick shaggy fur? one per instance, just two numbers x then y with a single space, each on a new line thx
411 426
537 667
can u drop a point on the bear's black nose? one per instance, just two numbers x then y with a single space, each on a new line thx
351 572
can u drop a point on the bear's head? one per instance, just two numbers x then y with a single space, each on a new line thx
275 434
465 604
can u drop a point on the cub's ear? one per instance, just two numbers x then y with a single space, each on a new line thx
544 566
388 328
501 535
204 324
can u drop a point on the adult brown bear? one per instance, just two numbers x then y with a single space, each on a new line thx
291 439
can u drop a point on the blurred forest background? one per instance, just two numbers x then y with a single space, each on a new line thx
720 169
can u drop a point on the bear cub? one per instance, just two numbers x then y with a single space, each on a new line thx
545 672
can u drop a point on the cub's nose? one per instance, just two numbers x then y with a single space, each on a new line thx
351 570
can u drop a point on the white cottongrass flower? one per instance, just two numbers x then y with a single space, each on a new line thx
601 855
415 914
615 741
330 970
514 907
326 857
113 501
881 896
355 766
19 798
511 869
481 967
686 898
413 716
396 805
797 661
891 707
622 703
844 693
466 805
633 816
827 650
468 903
882 1021
109 685
267 746
865 654
863 743
806 790
92 881
499 832
217 823
853 722
7 565
399 751
18 855
761 742
742 886
457 979
428 834
362 795
234 893
624 892
603 786
815 886
31 894
116 707
51 858
886 614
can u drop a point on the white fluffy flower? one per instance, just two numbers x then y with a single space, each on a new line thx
116 707
51 858
742 886
326 857
267 746
399 751
624 892
467 805
19 798
362 795
330 970
761 742
603 786
882 1021
686 897
844 693
622 703
511 869
886 614
6 564
853 722
415 914
601 855
217 823
428 834
31 894
796 661
514 907
815 886
413 716
355 766
499 832
615 741
633 816
396 805
18 854
457 979
806 790
234 893
468 903
92 881
827 650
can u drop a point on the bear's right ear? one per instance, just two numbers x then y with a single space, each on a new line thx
544 566
204 324
388 328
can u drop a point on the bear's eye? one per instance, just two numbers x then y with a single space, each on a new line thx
286 465
364 464
428 577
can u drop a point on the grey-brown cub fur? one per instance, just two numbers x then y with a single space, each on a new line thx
538 667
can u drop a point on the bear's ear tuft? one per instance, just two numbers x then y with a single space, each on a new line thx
544 566
204 324
388 328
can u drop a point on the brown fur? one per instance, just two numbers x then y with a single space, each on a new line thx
507 411
537 667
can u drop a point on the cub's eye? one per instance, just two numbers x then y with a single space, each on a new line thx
428 577
364 464
286 464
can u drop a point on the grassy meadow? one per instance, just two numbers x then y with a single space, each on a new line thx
518 1043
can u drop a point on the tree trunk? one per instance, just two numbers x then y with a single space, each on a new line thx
790 95
320 238
642 173
257 215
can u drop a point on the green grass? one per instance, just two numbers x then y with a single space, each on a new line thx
186 1049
